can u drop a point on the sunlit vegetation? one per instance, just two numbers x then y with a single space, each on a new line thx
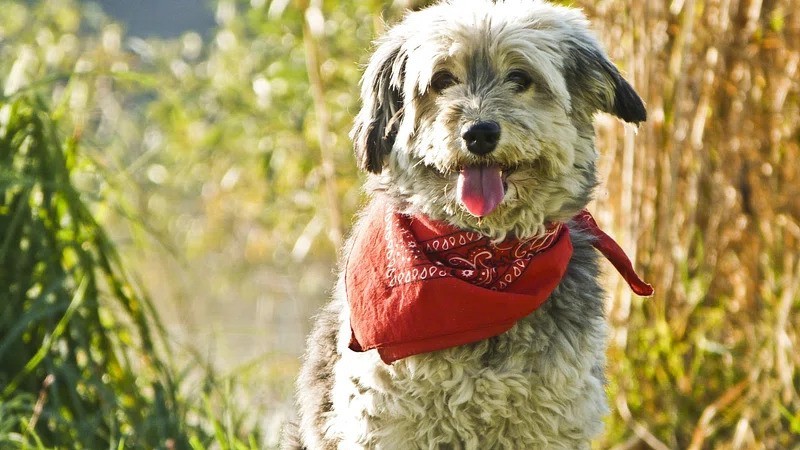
150 189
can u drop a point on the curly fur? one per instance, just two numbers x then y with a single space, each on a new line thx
539 385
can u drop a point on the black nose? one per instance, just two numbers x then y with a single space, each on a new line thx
481 137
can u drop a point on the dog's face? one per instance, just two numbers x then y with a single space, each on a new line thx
479 113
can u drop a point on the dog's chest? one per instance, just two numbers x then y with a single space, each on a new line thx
539 384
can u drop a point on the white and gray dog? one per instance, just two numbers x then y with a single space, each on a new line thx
476 114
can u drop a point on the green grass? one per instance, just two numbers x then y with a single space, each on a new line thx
82 354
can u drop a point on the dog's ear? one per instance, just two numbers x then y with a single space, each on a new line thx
593 78
381 111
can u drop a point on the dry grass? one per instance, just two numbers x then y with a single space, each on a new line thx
708 195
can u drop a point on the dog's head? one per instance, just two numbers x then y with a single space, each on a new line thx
479 113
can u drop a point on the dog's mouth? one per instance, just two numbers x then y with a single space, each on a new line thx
481 188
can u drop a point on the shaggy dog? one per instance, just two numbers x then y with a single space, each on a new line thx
477 117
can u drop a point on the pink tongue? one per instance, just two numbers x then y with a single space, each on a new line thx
480 189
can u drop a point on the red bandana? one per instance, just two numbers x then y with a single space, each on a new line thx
415 286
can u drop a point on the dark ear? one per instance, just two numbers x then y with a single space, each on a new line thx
592 78
381 111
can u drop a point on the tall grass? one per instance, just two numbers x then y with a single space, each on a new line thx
707 195
82 362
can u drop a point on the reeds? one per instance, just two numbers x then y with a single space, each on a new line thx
707 195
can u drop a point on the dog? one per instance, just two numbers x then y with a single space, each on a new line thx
476 131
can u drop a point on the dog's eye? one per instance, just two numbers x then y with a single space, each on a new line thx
443 80
520 79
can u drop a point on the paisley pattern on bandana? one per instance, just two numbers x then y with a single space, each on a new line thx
466 255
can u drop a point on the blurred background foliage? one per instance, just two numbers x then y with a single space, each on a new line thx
218 164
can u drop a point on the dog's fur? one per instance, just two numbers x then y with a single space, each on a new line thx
541 384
